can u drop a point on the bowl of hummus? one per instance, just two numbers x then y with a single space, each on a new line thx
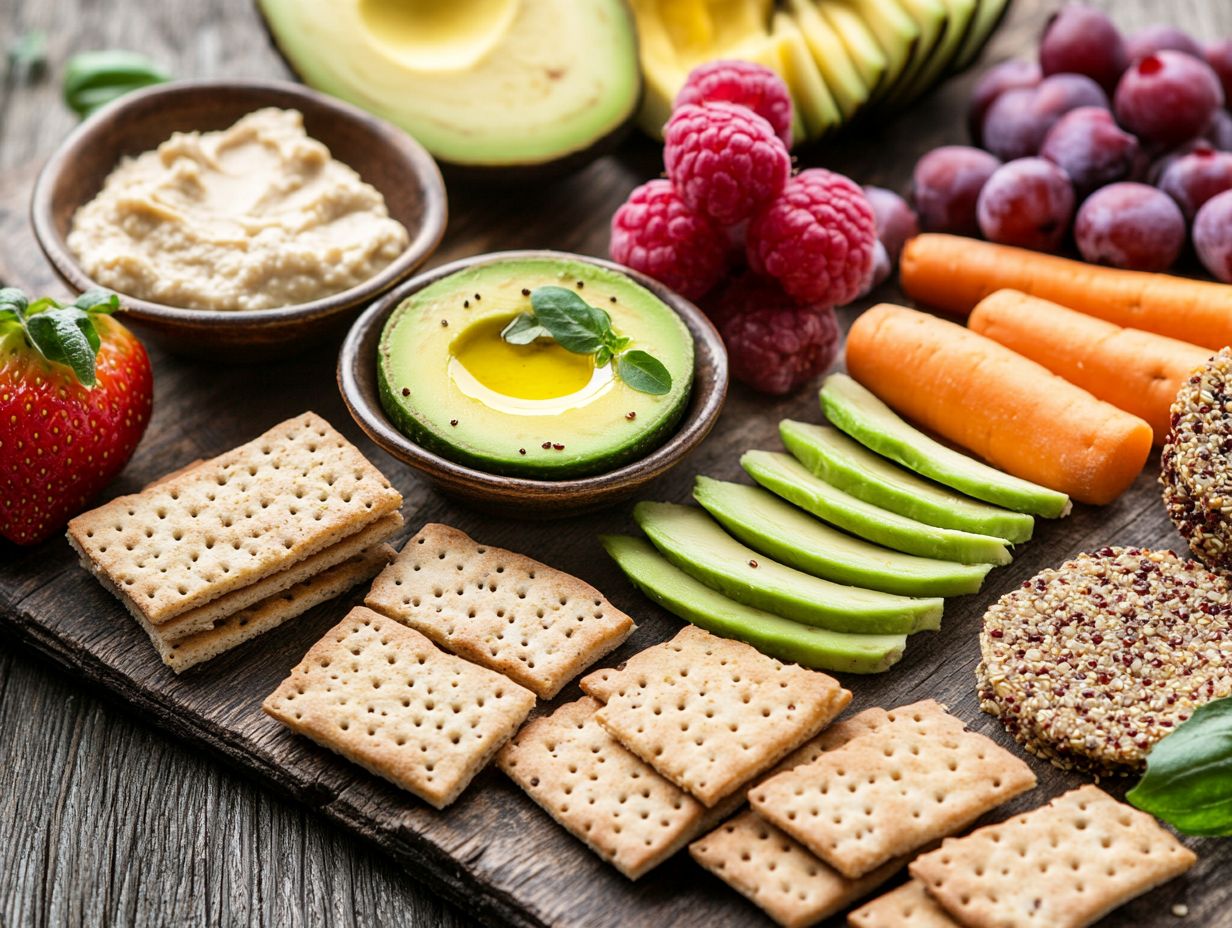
238 220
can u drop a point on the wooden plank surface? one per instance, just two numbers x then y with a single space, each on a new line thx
101 820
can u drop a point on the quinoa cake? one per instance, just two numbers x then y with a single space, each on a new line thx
1091 663
1194 464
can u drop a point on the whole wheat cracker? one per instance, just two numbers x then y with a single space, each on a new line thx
1063 865
710 713
909 906
832 736
268 614
779 875
384 696
603 794
234 519
535 624
918 777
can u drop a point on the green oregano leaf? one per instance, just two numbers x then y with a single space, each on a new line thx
66 336
643 372
524 329
1188 779
575 324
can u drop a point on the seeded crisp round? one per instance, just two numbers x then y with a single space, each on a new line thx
1089 664
1194 468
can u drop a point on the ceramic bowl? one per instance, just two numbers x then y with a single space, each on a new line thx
384 156
520 496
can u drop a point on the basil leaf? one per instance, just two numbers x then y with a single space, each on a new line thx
643 372
575 324
98 301
66 336
616 343
92 79
603 356
524 329
1188 779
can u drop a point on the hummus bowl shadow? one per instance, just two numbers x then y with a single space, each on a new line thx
524 497
384 156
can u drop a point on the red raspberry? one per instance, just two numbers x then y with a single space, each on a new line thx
655 233
774 344
745 83
816 239
724 160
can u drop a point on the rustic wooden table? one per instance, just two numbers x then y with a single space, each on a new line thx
104 820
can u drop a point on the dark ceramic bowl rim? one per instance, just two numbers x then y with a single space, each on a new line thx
421 245
705 401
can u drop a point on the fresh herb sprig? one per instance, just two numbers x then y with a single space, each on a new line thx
93 79
575 325
63 334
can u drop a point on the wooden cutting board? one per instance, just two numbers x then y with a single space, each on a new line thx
495 853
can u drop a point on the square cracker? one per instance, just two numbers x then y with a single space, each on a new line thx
533 623
604 795
832 737
710 713
916 778
384 696
269 613
1064 865
909 906
778 875
235 519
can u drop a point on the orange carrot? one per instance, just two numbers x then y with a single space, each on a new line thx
1133 370
1014 413
952 273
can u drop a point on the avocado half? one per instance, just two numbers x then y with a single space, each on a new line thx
492 88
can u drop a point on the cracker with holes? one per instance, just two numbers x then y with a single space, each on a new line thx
1064 865
537 625
710 713
779 875
909 906
831 737
916 778
384 696
605 795
234 520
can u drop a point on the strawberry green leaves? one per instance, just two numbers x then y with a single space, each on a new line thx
61 334
575 325
1188 779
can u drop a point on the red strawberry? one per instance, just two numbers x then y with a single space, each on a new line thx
75 398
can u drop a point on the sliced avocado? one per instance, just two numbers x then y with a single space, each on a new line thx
932 18
896 33
851 467
868 420
866 54
777 637
482 84
831 57
812 97
785 476
961 15
987 18
790 535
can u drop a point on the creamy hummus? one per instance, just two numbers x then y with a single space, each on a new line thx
252 217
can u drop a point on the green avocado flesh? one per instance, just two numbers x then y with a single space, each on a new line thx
450 383
781 638
785 476
483 83
781 531
851 467
696 544
872 423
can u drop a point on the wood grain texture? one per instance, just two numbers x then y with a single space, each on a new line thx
103 821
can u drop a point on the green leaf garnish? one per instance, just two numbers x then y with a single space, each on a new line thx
62 334
1188 779
27 56
93 79
643 372
575 324
523 330
603 357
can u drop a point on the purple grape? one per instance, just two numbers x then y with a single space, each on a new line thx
880 271
1091 148
896 222
1219 57
1160 166
1168 98
946 185
1158 38
1132 226
1082 40
1220 132
1194 178
1212 235
1018 120
1008 75
1028 203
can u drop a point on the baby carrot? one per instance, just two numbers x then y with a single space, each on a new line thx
1136 371
952 273
1011 411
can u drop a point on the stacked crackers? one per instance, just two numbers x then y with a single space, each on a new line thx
229 548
